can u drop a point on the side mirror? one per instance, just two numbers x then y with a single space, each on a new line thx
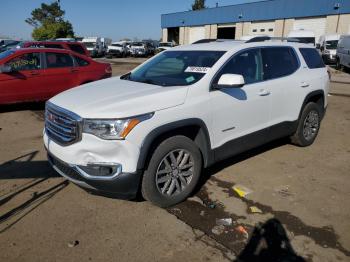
6 69
318 46
231 81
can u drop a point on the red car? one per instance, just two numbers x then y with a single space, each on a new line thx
74 46
37 74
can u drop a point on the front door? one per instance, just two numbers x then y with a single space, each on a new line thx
239 112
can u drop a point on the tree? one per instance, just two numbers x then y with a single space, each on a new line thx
198 5
48 22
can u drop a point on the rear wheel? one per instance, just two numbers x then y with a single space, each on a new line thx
173 172
339 65
308 126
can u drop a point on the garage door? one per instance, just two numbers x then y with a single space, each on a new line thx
262 28
316 25
196 33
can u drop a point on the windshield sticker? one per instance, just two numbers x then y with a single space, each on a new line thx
197 69
190 79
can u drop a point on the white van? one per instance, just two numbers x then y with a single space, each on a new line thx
343 52
328 48
304 36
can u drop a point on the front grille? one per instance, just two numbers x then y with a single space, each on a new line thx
64 168
62 126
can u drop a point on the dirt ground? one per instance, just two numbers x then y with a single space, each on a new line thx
296 209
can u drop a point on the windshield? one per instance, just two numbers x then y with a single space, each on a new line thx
332 44
137 44
165 44
89 44
6 54
305 40
175 68
117 45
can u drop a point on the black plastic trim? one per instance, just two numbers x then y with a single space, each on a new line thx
202 140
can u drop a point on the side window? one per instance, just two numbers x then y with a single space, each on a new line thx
278 62
56 60
81 61
30 61
77 48
312 58
247 63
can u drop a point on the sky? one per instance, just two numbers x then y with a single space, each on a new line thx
115 19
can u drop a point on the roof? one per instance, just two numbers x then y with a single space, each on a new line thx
234 45
256 11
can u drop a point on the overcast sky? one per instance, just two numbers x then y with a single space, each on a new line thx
109 18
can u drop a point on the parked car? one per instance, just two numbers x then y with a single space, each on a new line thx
141 49
118 49
9 45
36 74
304 36
328 48
164 46
74 46
158 126
343 52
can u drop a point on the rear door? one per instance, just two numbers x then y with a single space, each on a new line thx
25 82
280 64
60 73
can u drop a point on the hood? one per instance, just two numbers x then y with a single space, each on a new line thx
117 98
115 47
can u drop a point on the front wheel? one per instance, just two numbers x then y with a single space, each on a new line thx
338 65
173 172
308 126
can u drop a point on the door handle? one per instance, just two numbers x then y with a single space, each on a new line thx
264 92
73 70
304 84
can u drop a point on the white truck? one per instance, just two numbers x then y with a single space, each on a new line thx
327 45
155 128
118 49
105 43
94 45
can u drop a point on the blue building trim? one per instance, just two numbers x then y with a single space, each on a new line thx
257 11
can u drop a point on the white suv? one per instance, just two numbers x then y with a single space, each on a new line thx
154 129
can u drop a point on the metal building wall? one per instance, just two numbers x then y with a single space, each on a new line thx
258 11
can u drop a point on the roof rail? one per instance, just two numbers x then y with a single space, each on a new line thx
268 38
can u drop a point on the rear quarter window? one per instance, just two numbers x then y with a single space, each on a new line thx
312 58
77 48
81 61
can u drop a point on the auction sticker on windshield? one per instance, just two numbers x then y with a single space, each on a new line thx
197 69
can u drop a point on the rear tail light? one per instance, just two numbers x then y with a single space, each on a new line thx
108 69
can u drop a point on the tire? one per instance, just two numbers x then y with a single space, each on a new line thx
308 125
339 66
164 185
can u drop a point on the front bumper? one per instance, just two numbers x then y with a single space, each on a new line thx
328 58
125 185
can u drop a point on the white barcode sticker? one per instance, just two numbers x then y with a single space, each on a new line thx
197 69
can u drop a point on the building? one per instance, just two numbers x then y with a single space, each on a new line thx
270 17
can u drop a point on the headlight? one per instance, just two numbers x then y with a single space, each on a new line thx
113 129
327 52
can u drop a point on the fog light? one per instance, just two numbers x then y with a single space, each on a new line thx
100 171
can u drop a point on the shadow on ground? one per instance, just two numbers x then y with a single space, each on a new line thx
33 188
269 242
